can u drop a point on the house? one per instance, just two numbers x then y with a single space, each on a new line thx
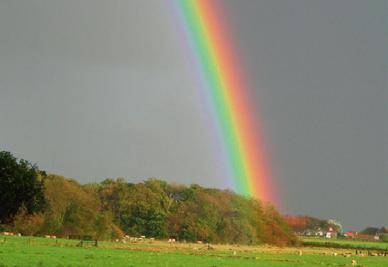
350 234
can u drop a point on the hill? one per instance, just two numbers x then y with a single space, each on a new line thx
153 208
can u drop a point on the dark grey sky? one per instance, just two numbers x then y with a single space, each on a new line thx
94 89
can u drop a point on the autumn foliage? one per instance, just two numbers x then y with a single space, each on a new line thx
154 208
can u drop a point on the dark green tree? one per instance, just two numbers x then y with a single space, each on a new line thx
20 185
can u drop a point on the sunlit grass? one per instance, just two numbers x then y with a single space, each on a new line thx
34 251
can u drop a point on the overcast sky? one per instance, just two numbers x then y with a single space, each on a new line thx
94 89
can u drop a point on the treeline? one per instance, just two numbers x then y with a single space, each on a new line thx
301 224
34 203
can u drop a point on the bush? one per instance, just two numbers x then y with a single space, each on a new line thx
384 237
28 224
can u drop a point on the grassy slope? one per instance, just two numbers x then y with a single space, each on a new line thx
24 251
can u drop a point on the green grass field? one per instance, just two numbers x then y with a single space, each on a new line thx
345 243
34 251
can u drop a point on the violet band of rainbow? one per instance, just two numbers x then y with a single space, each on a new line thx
227 92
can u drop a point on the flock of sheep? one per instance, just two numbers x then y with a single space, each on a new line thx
10 234
130 239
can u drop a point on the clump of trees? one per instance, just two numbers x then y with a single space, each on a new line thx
374 231
52 204
303 223
21 187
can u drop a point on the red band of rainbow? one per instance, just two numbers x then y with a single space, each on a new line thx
226 88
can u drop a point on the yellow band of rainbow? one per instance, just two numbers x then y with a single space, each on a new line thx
226 88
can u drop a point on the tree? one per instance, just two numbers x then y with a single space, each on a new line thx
72 209
370 231
20 185
103 226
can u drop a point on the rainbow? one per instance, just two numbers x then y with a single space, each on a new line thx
226 89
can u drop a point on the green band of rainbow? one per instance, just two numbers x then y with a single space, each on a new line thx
228 94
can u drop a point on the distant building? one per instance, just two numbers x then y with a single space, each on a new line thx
350 234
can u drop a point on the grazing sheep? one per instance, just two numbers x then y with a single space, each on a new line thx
8 233
372 253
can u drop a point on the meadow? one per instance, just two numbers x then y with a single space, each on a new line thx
36 251
344 243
